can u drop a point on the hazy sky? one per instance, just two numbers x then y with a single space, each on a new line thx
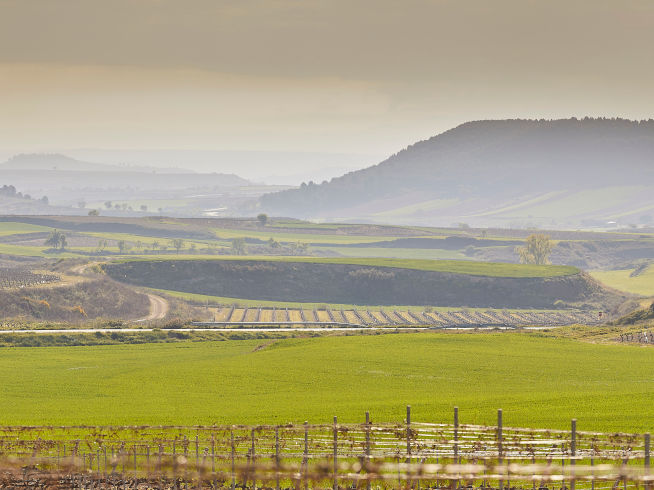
349 77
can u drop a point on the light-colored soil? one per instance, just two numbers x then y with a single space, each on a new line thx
295 315
322 316
158 308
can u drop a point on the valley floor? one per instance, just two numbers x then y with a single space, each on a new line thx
538 380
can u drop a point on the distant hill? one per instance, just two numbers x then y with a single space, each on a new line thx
50 173
497 173
70 184
56 161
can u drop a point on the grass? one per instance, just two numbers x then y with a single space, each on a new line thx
11 228
489 269
266 233
642 284
579 202
203 298
541 382
399 253
221 300
27 251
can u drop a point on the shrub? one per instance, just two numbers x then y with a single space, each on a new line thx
79 309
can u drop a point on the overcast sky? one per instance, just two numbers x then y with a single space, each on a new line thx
334 76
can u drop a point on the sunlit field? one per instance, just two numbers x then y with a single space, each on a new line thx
540 382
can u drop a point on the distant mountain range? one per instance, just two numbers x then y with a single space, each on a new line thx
70 184
56 161
566 172
53 173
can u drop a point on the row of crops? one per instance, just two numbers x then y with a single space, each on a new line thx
231 315
401 455
11 278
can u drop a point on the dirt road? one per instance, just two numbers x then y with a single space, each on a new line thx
158 308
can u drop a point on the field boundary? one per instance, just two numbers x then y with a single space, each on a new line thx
253 316
396 455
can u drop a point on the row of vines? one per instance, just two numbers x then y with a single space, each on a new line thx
403 455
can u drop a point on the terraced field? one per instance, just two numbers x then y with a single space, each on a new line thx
229 316
458 284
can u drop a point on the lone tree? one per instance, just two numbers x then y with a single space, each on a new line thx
177 244
57 240
238 246
537 249
263 219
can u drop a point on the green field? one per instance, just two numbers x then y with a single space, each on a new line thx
468 267
11 228
398 253
541 382
642 284
221 300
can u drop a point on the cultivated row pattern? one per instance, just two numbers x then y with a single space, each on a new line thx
11 278
258 316
402 455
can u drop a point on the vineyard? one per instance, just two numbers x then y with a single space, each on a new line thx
265 316
11 278
401 455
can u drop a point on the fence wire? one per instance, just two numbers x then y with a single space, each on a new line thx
402 455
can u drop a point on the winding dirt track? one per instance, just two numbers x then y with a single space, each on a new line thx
158 305
158 308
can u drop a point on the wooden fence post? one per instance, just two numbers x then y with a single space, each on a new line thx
408 430
213 456
305 456
499 442
573 450
646 463
277 457
252 459
233 449
456 434
367 460
335 483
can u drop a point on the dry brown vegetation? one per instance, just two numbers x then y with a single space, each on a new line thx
101 298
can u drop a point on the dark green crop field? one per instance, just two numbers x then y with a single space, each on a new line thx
541 382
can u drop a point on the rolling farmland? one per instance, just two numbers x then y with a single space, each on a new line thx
370 282
12 278
260 316
539 382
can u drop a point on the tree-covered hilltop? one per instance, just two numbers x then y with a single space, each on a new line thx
484 165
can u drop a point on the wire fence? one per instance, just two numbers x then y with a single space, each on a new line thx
404 455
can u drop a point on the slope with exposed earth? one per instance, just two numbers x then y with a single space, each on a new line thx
370 282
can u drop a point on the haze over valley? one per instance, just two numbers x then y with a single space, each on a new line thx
327 244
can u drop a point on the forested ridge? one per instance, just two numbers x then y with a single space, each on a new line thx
485 159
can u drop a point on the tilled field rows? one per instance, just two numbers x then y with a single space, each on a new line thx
230 315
